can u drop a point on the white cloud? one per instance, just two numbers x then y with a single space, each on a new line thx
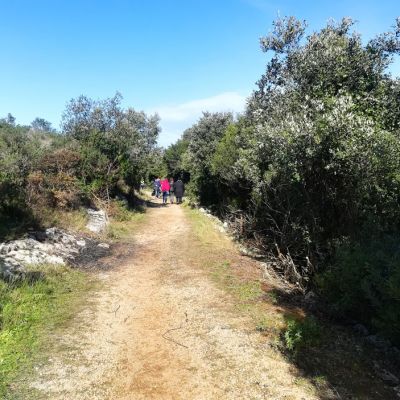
230 101
176 118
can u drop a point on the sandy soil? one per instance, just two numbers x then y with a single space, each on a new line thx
161 329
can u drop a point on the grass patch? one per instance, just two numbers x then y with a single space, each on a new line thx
75 220
206 231
247 292
124 223
300 335
29 311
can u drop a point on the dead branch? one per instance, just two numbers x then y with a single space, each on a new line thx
172 340
115 311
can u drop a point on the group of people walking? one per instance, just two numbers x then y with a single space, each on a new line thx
169 188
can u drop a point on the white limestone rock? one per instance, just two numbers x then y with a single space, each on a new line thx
97 220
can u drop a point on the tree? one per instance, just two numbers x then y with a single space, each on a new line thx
174 162
203 138
115 143
9 119
41 125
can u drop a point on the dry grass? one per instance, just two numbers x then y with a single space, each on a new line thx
124 229
74 220
238 275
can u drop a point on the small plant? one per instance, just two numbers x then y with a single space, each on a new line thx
119 211
301 334
273 297
263 325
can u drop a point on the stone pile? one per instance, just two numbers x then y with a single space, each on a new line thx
53 246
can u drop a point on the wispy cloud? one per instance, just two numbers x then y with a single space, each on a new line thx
176 118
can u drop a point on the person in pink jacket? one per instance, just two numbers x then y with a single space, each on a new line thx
165 190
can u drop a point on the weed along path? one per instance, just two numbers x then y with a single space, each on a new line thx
163 327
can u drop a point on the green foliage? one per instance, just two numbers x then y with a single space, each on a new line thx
19 151
116 143
364 283
300 335
314 161
203 139
226 154
41 125
173 160
102 147
157 166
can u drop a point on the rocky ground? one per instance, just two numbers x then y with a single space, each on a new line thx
52 246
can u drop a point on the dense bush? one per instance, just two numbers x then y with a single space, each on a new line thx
102 150
311 172
19 150
203 139
364 282
174 162
115 143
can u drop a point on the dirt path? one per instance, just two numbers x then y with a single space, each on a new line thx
161 329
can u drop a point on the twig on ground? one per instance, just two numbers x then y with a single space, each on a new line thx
335 390
172 340
115 311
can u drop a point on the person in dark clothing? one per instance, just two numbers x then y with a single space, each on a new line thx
157 187
179 190
171 190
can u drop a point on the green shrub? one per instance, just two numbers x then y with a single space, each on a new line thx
363 282
314 159
302 334
119 211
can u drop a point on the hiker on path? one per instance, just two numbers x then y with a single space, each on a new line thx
157 187
165 190
171 190
179 190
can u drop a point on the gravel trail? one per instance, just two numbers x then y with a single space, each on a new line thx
161 329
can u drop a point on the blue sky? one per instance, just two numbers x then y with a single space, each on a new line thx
176 58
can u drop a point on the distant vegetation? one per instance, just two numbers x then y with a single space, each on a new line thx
102 151
310 173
